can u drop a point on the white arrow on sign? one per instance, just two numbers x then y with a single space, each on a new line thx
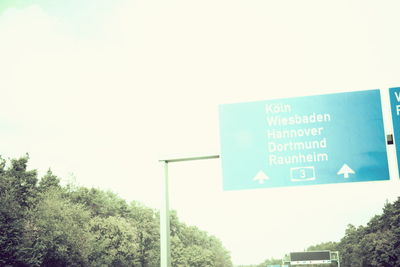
345 170
260 177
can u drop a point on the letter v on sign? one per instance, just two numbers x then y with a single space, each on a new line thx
395 107
397 94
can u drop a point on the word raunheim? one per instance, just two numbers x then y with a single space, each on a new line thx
274 159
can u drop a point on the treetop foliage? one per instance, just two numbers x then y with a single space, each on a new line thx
375 245
45 224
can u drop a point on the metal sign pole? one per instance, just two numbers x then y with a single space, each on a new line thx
165 242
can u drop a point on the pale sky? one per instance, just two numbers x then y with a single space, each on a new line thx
102 90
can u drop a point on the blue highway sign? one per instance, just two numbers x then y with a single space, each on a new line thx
323 139
395 105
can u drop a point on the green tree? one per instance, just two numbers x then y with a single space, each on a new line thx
46 224
22 181
62 231
332 246
271 261
98 202
11 224
17 195
376 244
349 248
115 242
49 182
221 256
147 225
193 247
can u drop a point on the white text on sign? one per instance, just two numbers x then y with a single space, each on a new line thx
304 151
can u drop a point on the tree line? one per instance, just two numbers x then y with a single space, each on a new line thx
377 244
43 223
